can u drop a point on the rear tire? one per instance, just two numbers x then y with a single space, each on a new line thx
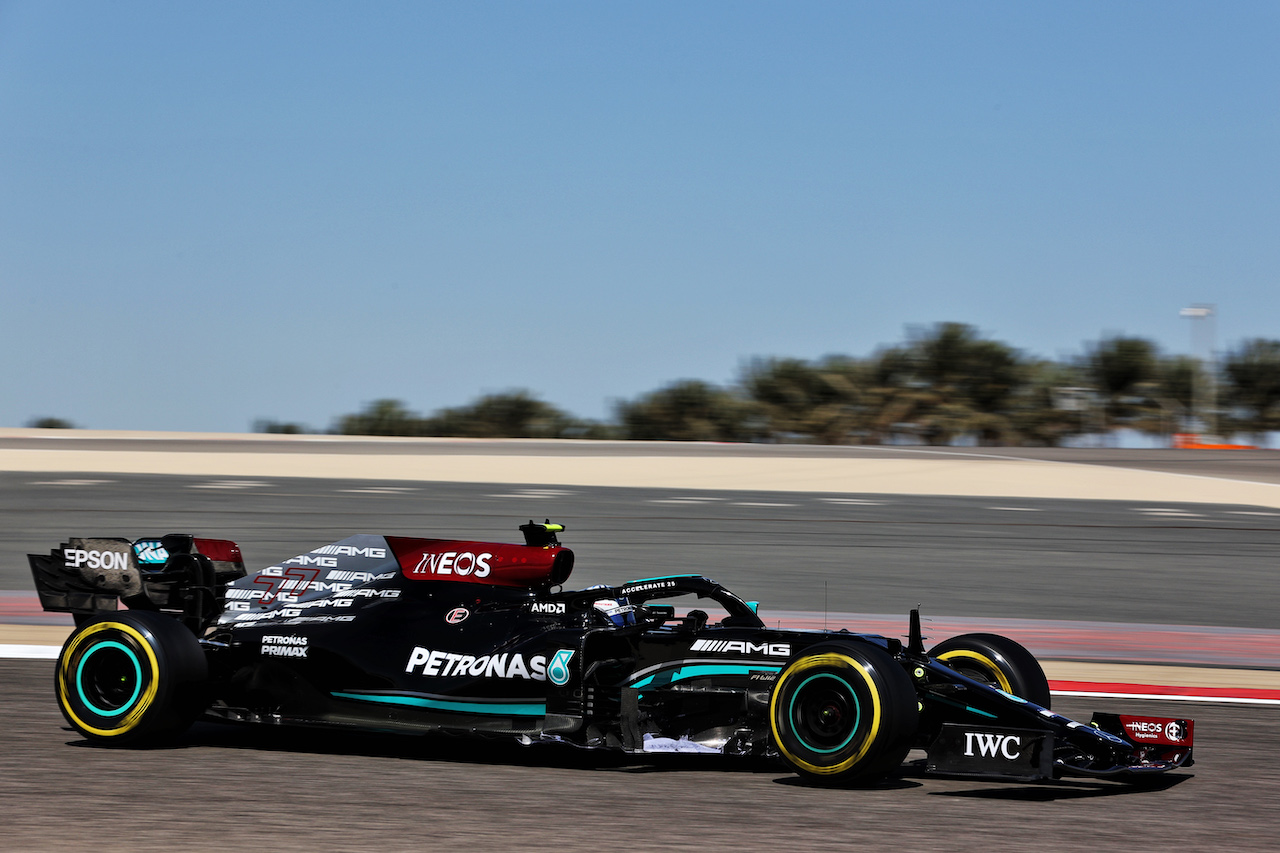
131 677
997 661
843 713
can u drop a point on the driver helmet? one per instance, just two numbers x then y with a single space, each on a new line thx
619 611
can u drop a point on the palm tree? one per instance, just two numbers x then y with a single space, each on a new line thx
947 382
514 414
382 417
1122 369
819 402
1048 407
1253 385
687 410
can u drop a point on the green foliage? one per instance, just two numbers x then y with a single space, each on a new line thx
279 427
1253 384
510 415
823 403
1051 405
382 417
1123 370
1177 379
945 383
1118 365
514 414
688 410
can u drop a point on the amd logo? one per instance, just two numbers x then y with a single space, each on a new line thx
552 607
993 745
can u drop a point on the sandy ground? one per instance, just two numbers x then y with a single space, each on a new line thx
659 466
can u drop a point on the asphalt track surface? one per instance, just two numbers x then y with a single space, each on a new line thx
242 788
266 789
1106 561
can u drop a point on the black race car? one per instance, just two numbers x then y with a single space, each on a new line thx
390 633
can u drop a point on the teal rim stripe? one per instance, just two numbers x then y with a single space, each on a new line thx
857 712
700 670
512 709
137 678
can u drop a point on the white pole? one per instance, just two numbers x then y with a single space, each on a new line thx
1206 415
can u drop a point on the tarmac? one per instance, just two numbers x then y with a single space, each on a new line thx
685 466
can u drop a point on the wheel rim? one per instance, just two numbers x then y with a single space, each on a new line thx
977 666
799 715
109 678
825 713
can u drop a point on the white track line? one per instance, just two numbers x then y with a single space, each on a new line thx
1230 700
13 651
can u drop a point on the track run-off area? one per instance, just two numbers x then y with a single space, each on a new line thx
1143 580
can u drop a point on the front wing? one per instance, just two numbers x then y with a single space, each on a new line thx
983 731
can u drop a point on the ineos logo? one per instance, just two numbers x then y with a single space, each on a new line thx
1147 729
454 563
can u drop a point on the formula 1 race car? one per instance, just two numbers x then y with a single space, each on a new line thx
387 633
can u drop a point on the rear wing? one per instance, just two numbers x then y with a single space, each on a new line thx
178 573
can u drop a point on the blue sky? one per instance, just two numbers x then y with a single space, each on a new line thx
217 212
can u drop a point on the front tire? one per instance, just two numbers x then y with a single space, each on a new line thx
997 661
843 713
131 677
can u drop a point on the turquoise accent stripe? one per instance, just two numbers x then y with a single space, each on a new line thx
968 708
658 578
137 678
515 709
700 670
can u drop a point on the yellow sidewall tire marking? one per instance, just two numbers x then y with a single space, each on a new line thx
65 675
983 661
840 662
